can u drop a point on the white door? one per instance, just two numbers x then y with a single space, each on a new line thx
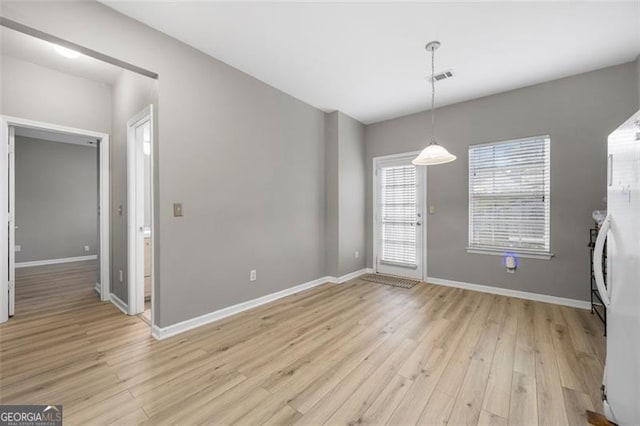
139 153
12 223
399 217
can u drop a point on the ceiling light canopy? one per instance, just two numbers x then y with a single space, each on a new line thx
67 53
434 153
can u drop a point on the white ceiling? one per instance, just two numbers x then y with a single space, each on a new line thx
36 51
368 59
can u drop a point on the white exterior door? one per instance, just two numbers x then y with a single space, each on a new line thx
399 227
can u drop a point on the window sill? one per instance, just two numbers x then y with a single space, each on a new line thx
518 253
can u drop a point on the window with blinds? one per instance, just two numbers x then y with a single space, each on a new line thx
509 195
398 208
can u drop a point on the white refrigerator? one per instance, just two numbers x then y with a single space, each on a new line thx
622 293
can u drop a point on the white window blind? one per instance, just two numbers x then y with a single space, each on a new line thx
398 209
509 195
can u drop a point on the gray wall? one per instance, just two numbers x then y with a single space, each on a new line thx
42 94
332 193
56 199
352 194
246 161
578 112
131 94
345 193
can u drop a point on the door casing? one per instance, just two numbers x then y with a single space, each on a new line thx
6 122
423 177
135 187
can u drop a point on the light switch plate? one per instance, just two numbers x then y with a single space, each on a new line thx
177 209
18 248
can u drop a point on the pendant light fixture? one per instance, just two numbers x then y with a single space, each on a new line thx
434 153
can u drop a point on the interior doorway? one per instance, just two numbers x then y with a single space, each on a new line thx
9 127
140 148
399 219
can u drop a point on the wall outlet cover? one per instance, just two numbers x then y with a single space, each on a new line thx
252 275
18 248
357 254
86 248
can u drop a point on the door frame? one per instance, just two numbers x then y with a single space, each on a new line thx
104 208
135 248
375 162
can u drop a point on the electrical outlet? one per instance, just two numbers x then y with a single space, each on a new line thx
357 254
86 248
252 275
121 275
18 248
432 209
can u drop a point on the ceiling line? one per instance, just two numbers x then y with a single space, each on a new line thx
8 23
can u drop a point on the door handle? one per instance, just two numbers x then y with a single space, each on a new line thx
142 229
597 262
418 223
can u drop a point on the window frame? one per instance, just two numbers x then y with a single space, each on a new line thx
496 250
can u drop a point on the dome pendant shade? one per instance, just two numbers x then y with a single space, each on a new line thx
433 154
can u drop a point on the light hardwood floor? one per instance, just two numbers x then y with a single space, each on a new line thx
352 353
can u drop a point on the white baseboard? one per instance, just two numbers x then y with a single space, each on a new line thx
349 276
98 288
581 304
119 303
171 330
56 261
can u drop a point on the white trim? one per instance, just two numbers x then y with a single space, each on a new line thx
105 200
396 156
425 208
165 332
96 288
11 161
349 276
135 206
4 219
574 303
56 261
532 254
119 303
104 151
517 252
526 138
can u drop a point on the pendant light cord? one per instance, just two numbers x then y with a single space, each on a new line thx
433 96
